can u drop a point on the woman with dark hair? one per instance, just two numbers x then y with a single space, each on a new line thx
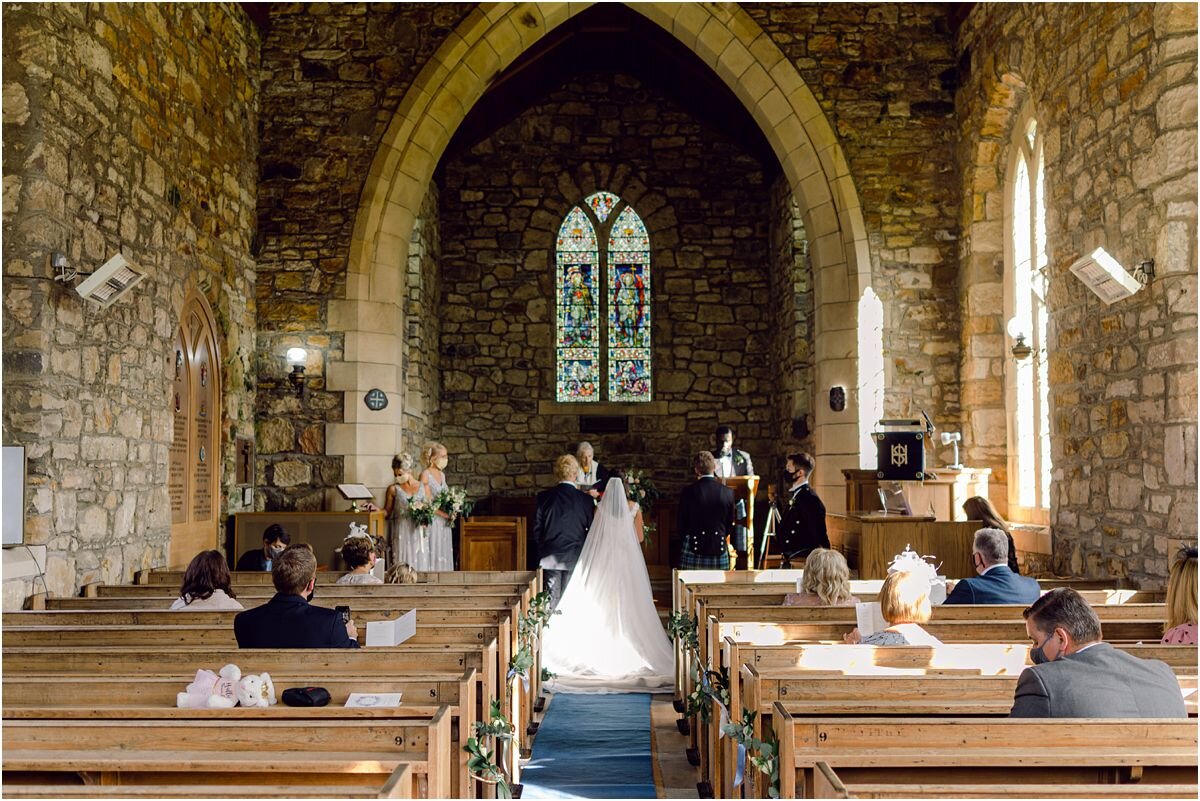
980 508
358 552
206 585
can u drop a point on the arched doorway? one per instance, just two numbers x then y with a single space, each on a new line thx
726 39
194 463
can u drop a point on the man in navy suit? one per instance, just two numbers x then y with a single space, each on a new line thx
288 620
996 583
706 518
561 521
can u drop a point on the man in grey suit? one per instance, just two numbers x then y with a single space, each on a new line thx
1076 675
996 583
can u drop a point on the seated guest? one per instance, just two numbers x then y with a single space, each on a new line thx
980 508
206 585
826 581
1181 600
996 584
400 573
288 620
592 476
904 604
275 539
1076 675
358 552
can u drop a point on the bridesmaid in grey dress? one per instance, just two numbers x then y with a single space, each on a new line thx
403 539
439 542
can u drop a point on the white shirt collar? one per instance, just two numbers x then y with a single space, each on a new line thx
1084 648
992 567
568 483
709 475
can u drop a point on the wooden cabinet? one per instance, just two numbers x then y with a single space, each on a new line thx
870 542
492 543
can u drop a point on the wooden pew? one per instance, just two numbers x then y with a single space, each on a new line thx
967 659
961 750
829 785
59 697
399 784
369 603
811 694
156 751
174 578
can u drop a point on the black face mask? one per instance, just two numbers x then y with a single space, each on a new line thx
312 594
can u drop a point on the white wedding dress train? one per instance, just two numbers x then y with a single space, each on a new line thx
607 637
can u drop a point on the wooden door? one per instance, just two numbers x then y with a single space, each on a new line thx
194 474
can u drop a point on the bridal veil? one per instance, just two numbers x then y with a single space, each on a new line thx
608 636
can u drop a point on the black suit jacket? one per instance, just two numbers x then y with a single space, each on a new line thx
560 525
252 560
803 526
289 621
705 519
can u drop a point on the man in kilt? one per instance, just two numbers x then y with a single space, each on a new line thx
706 517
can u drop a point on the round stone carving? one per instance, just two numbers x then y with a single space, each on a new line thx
376 399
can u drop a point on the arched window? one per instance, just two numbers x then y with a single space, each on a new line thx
1028 390
603 257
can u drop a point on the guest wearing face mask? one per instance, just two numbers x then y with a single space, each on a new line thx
1077 675
996 583
803 526
275 540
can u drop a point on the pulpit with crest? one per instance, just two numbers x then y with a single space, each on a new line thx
744 489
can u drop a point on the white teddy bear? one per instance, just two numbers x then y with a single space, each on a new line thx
225 689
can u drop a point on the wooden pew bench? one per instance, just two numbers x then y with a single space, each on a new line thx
961 750
806 694
399 784
174 578
155 751
827 784
61 697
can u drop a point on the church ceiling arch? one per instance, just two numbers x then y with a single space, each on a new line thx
724 38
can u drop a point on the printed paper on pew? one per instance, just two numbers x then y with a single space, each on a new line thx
371 700
392 632
870 618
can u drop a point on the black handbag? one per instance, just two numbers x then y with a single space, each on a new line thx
306 696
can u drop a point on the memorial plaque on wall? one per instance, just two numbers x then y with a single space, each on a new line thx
177 457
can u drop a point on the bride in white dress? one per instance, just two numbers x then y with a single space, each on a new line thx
607 637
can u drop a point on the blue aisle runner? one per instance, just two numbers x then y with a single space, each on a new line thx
592 746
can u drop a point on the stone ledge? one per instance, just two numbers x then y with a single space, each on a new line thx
24 561
651 409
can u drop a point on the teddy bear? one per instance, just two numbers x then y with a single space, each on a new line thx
226 689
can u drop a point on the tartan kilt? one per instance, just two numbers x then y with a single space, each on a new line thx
695 561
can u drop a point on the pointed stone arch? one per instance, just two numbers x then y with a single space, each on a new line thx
725 38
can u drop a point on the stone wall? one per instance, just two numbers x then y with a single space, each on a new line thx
884 76
1117 102
706 204
791 302
422 315
127 128
333 75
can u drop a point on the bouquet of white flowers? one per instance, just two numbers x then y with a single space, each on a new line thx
420 512
640 489
453 501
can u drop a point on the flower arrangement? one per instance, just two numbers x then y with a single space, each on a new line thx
640 489
453 501
420 512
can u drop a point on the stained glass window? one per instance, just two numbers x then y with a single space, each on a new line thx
587 273
628 309
578 309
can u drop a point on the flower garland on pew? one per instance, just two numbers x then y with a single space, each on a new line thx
483 764
763 755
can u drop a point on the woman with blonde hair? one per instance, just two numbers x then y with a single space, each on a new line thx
439 548
403 538
904 604
980 508
826 581
1181 600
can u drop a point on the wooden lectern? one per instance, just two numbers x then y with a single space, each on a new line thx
744 489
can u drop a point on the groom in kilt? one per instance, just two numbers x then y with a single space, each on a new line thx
706 518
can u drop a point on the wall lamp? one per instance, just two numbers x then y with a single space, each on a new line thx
1020 349
297 357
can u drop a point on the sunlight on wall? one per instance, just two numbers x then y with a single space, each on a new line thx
870 374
